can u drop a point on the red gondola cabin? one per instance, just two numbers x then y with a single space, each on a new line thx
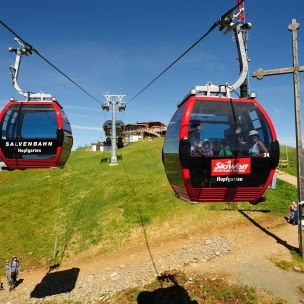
34 134
220 149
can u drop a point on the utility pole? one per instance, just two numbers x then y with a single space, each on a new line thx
114 100
259 74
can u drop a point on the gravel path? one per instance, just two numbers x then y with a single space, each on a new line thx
97 285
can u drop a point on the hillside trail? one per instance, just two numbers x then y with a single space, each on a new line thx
242 252
287 177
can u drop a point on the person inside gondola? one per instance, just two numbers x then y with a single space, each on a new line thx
206 149
195 139
233 138
216 147
194 132
226 151
257 147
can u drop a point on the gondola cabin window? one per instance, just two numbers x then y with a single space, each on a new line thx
38 122
218 128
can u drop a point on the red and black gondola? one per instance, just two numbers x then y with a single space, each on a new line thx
34 134
199 133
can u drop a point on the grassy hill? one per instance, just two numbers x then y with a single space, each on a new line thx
89 204
290 154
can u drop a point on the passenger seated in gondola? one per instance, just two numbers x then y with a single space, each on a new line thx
232 137
194 132
195 139
196 148
226 151
206 149
256 146
216 147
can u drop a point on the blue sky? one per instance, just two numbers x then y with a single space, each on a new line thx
106 46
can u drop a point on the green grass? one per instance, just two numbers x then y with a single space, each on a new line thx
295 264
90 204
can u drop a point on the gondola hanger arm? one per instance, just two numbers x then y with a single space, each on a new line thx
228 24
24 50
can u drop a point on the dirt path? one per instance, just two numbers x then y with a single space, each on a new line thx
287 177
250 263
242 252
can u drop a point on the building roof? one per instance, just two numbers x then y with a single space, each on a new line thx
147 123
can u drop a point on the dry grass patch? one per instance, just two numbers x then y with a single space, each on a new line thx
295 263
181 288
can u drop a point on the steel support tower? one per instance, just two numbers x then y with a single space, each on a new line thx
114 100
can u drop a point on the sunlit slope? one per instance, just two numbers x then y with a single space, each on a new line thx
89 204
85 203
289 153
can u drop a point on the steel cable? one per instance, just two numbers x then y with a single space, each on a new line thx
30 48
217 23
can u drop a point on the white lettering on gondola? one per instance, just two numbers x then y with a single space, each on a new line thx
29 151
229 179
29 144
230 166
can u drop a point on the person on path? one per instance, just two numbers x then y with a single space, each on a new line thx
14 271
292 210
295 214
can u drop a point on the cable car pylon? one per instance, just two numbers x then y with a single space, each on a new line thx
114 100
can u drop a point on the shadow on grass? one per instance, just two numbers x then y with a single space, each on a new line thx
55 266
56 283
248 209
146 241
141 220
279 240
174 294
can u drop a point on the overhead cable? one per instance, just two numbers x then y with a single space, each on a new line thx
29 47
217 23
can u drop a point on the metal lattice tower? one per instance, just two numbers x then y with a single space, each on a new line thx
114 100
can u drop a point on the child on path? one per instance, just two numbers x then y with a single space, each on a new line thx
292 210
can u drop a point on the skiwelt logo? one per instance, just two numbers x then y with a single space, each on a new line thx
230 166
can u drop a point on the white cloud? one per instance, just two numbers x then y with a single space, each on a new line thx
86 128
83 108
